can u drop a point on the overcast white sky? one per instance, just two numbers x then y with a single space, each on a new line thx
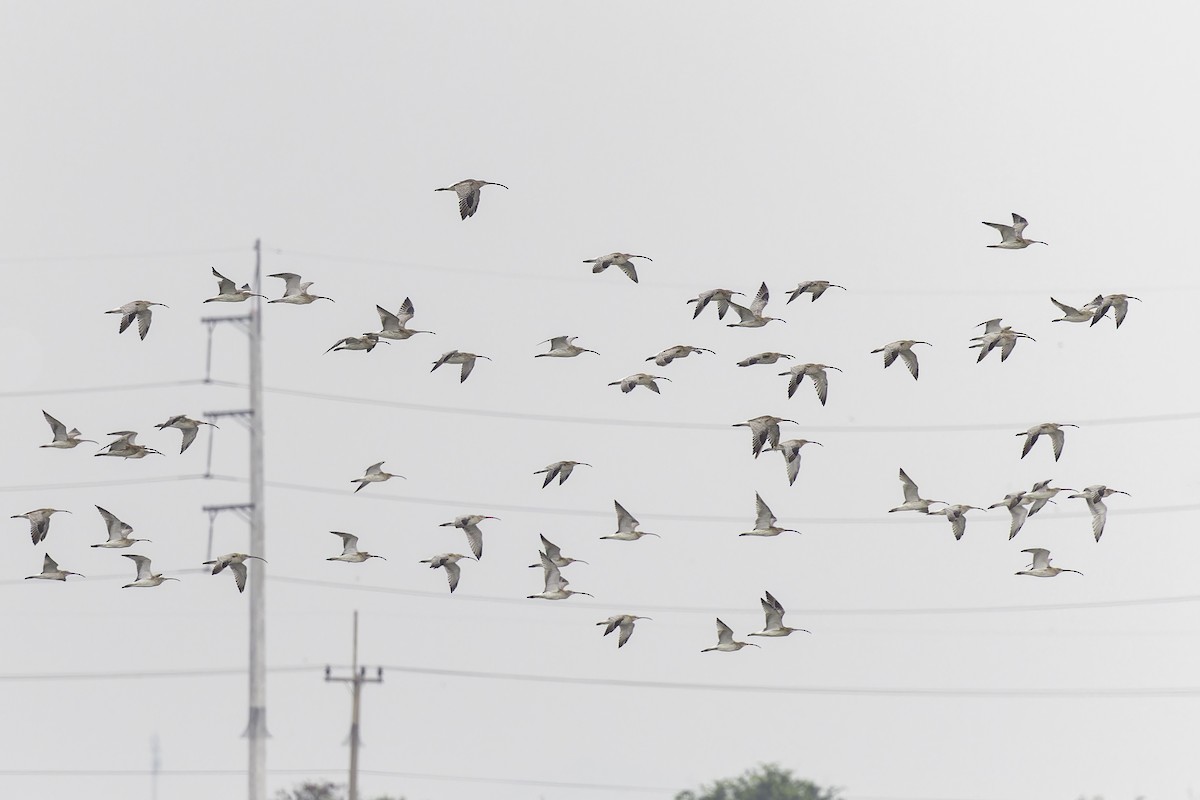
858 142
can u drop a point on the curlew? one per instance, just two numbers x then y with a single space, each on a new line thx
1052 429
912 501
763 429
51 571
555 583
764 523
63 439
188 426
467 360
125 446
468 195
1042 493
774 611
1040 568
1082 314
753 317
1011 237
237 565
139 310
815 288
1015 503
561 470
763 358
722 297
678 351
790 448
469 524
1118 303
995 335
554 553
146 577
374 474
622 621
725 642
1094 495
350 552
563 347
626 526
448 562
956 515
629 382
820 380
619 260
294 292
39 522
118 531
903 349
365 342
228 292
395 326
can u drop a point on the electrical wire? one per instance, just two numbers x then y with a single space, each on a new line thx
121 256
42 487
118 387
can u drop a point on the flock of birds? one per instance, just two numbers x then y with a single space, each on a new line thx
764 430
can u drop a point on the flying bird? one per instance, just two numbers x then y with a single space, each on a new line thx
467 360
790 449
190 427
1094 495
1042 493
468 195
725 642
39 522
1082 314
63 439
554 553
561 470
145 576
774 611
51 571
1117 302
722 297
820 380
294 292
753 317
350 552
619 260
395 326
118 531
626 526
139 310
815 288
763 429
957 516
1011 236
228 292
903 349
764 523
1040 568
629 382
912 501
1015 502
763 358
237 565
125 446
448 562
1052 429
365 342
678 351
622 621
374 474
563 347
555 583
469 524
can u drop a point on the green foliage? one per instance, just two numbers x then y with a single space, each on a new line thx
766 782
319 790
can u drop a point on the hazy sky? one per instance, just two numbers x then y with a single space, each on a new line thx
857 142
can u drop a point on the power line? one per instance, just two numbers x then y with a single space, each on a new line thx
694 426
847 612
120 256
144 674
40 487
117 387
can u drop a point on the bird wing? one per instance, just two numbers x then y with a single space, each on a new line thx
794 382
291 282
143 318
760 300
564 472
374 469
793 466
1007 234
468 200
774 616
126 319
143 565
625 521
553 551
774 603
554 579
59 430
349 542
443 358
189 436
1030 438
889 354
1041 557
910 361
744 314
1099 515
407 311
629 271
239 575
626 625
467 366
958 524
224 285
49 564
1057 437
39 526
388 320
799 290
551 471
116 528
1019 223
453 571
765 518
724 632
1120 309
611 623
820 383
1019 515
1064 308
475 539
557 342
653 386
1007 347
910 488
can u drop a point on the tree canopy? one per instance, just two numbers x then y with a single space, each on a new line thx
765 782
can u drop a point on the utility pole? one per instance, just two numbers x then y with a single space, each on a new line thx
155 766
256 726
358 676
